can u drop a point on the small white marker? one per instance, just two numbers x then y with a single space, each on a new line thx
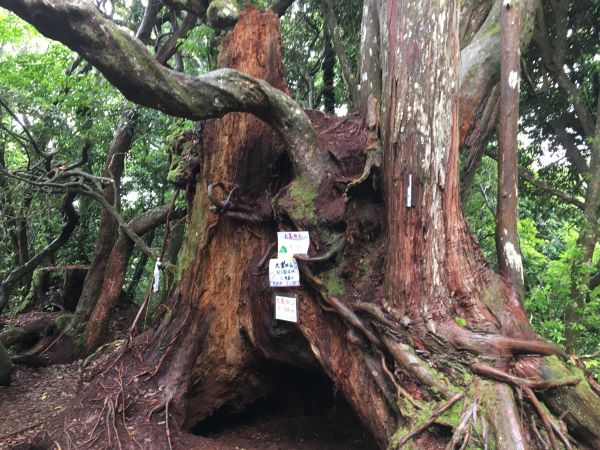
409 192
156 276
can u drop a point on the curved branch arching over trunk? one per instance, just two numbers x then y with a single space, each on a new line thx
128 65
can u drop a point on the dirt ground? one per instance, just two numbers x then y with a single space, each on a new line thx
304 413
38 395
35 396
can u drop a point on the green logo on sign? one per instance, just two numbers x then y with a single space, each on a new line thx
283 249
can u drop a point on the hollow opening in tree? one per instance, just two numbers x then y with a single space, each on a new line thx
302 410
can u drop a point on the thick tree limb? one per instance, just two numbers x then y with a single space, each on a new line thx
480 60
170 46
572 152
542 185
148 21
121 222
128 65
196 7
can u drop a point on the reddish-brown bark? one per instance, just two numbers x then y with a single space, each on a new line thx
218 253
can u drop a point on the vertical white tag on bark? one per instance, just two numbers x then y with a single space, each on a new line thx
286 307
290 243
409 191
283 272
156 276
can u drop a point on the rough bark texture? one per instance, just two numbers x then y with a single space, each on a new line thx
510 262
211 287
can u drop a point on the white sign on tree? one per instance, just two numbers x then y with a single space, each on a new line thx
283 272
290 243
286 307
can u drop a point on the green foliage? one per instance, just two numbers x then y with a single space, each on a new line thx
302 32
60 107
548 236
334 283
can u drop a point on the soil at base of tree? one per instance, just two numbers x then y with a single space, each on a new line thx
296 420
304 412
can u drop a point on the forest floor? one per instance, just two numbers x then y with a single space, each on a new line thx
38 395
303 416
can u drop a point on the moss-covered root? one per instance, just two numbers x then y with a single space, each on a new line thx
401 438
501 410
579 405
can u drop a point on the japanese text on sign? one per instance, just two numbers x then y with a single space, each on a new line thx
283 272
290 243
285 308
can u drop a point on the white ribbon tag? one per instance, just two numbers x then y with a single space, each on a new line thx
156 276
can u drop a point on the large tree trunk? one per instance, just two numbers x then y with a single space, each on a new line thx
432 329
440 297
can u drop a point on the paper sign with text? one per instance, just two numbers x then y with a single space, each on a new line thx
283 272
290 243
285 307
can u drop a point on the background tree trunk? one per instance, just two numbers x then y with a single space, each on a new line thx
108 227
115 274
510 262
